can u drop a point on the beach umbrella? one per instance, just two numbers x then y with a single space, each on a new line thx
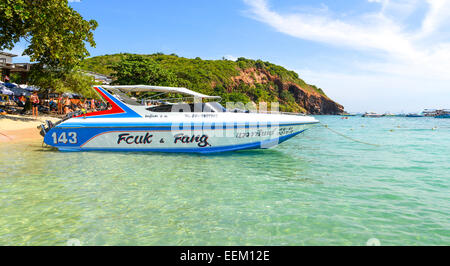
68 94
30 88
6 91
9 85
76 96
20 92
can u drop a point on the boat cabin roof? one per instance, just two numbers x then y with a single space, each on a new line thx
144 88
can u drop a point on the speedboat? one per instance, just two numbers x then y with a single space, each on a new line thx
371 114
388 114
430 112
414 115
165 125
445 113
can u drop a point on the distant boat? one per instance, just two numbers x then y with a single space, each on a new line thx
430 112
347 114
413 115
445 113
389 114
372 114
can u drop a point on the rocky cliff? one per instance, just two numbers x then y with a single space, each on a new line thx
306 97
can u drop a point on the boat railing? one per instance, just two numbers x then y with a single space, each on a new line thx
178 100
281 113
443 111
187 99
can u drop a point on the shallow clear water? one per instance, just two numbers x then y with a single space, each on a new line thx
315 189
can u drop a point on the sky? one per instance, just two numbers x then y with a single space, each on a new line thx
368 55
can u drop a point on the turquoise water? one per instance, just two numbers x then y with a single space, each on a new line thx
316 189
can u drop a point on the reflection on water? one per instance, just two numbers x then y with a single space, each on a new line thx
316 189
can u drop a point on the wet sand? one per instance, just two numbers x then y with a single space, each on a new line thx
15 128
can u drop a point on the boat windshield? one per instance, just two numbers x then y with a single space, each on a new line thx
210 107
125 98
158 100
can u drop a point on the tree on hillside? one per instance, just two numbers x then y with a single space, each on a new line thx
62 81
55 32
135 69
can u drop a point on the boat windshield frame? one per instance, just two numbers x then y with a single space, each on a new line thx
120 93
196 107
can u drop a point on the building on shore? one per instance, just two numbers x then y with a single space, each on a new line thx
100 78
7 67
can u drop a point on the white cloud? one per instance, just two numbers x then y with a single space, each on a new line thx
373 31
437 15
230 57
402 51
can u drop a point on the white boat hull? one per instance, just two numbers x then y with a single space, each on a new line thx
192 139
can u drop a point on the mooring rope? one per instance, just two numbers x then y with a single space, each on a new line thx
347 137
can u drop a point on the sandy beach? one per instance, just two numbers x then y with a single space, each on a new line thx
15 128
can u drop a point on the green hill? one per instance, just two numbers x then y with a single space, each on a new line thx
242 80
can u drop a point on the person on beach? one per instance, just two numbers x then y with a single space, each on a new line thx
67 105
22 101
93 104
79 106
27 106
35 103
60 104
86 104
52 104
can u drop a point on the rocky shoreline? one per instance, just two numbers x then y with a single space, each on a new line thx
313 102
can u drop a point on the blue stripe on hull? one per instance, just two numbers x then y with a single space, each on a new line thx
206 150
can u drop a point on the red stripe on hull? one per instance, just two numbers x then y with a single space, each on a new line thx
114 110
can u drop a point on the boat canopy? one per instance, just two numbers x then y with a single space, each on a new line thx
144 88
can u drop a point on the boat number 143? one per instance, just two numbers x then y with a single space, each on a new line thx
71 137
